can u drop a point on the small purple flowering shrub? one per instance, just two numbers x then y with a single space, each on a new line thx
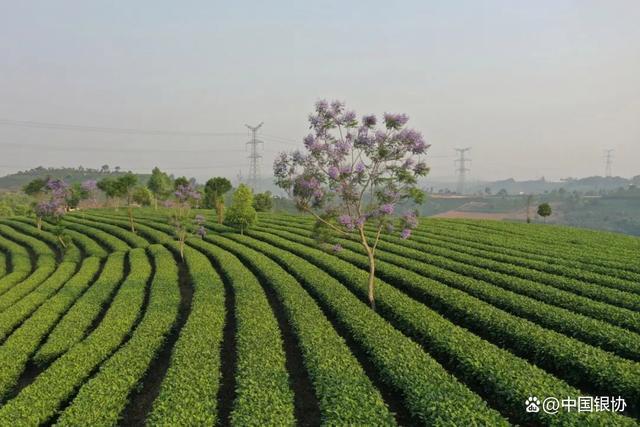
184 225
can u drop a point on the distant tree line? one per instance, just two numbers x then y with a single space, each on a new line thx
50 198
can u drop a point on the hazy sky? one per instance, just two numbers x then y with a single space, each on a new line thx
537 88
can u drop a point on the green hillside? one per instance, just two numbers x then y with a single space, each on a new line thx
473 319
18 180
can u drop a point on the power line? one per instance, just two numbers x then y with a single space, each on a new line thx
40 147
254 157
608 156
461 169
110 130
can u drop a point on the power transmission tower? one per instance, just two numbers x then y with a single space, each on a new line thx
254 157
608 157
461 167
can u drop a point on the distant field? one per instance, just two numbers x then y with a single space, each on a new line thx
473 317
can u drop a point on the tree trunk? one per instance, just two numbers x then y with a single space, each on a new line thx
241 230
39 223
372 266
133 227
155 203
220 212
182 249
372 279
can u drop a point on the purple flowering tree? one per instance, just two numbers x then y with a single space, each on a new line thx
186 195
354 175
54 206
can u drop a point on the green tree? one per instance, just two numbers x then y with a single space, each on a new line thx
160 185
76 194
125 186
181 181
263 202
241 213
35 187
544 210
110 188
214 191
143 196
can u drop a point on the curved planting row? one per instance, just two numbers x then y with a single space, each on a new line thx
422 399
74 325
502 377
496 380
44 265
18 311
96 336
431 394
608 241
572 360
18 264
102 399
483 244
534 254
621 293
618 340
498 288
189 390
344 392
131 239
521 265
532 282
112 243
335 397
262 388
84 242
38 402
23 342
569 242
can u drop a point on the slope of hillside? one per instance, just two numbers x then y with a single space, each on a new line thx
474 319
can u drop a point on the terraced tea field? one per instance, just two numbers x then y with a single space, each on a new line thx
472 319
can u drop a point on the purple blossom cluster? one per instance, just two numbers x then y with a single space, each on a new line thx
369 121
53 209
408 222
347 222
56 206
333 172
395 121
387 208
58 188
186 193
352 165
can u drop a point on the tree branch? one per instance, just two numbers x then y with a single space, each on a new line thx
319 218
